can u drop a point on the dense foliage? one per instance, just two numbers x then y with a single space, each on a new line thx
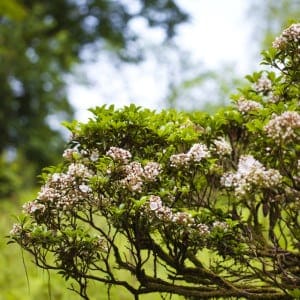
189 204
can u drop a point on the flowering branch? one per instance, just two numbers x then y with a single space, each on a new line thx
185 203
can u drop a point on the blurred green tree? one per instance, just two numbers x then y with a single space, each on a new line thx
41 42
270 17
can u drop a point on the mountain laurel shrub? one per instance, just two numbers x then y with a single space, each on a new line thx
190 204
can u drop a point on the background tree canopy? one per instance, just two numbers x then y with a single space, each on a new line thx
41 41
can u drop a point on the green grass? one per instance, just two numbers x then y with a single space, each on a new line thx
39 286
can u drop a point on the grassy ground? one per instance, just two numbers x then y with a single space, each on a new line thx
39 286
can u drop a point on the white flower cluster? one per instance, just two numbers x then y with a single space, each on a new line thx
78 170
195 154
33 206
119 154
64 190
136 175
245 106
291 34
221 225
250 173
155 203
69 153
151 171
16 229
222 146
164 213
180 160
94 155
102 243
203 229
183 218
263 85
283 127
133 181
273 98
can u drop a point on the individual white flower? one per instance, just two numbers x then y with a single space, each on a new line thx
84 188
56 177
155 203
94 155
222 146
